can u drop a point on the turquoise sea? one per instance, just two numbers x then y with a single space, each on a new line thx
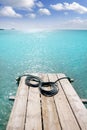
62 51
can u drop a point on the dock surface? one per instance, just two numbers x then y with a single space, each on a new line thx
34 111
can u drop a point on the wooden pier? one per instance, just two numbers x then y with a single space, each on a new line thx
33 111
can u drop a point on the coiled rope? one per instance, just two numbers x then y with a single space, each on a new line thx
42 85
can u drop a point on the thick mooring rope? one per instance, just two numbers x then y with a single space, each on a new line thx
42 85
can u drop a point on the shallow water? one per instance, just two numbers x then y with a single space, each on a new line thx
47 52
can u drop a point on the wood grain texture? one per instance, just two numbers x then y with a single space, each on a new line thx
50 118
67 119
74 100
17 117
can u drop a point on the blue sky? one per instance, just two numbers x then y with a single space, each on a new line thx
43 14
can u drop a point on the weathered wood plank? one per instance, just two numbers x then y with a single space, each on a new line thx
17 117
50 118
65 114
33 116
77 107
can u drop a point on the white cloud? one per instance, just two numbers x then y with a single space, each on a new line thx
31 15
18 3
76 23
57 7
9 12
44 11
39 4
74 7
77 20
